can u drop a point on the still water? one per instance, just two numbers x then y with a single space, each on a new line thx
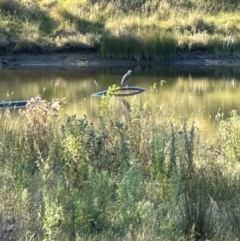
198 92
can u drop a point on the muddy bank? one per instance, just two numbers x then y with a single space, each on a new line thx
70 60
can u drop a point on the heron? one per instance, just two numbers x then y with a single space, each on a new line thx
126 77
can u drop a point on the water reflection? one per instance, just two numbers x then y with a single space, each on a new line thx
126 106
199 92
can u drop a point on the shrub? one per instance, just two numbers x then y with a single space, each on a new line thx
129 175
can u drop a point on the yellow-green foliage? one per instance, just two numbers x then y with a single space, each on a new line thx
229 135
140 28
131 174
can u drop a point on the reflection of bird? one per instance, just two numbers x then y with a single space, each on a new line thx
126 77
126 106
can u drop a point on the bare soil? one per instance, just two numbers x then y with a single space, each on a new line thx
82 60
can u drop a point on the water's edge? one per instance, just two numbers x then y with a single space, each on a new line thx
72 60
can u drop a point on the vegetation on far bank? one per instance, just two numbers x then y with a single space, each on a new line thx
133 174
142 29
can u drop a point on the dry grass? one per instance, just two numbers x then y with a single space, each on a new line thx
86 25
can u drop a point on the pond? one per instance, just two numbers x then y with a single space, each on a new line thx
198 92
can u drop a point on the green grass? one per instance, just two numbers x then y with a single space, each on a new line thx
138 175
156 30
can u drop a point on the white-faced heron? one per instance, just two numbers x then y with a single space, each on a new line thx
126 77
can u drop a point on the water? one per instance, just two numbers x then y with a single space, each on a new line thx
198 92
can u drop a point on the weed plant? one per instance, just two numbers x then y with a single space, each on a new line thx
142 29
129 175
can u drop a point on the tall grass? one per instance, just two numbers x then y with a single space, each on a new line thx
136 175
143 29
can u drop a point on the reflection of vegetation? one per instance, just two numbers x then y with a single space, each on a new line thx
144 177
140 28
206 88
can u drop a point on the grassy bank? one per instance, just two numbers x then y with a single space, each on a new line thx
137 175
120 29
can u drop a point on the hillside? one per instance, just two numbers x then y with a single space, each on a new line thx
143 29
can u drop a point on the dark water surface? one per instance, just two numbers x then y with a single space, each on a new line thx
196 91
